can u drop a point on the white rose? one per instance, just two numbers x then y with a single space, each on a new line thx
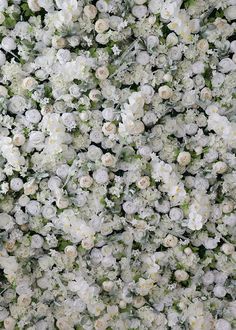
33 5
6 221
230 13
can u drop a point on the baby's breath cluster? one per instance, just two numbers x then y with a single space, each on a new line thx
118 165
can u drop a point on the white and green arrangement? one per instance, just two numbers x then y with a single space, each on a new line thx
117 164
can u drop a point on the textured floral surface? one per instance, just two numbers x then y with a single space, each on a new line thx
118 166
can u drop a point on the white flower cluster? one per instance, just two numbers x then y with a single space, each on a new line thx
118 164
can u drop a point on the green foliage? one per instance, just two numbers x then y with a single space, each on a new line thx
47 91
26 11
215 14
26 131
81 108
208 76
112 69
62 244
93 52
9 22
220 196
185 207
188 3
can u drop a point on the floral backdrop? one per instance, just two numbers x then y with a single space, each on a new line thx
117 164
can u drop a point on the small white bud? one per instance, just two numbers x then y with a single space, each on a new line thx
90 11
101 25
181 275
30 187
206 94
219 291
108 128
18 139
108 160
29 83
107 285
165 92
227 248
33 5
220 167
143 182
70 251
203 45
102 73
94 95
170 241
16 184
184 158
85 181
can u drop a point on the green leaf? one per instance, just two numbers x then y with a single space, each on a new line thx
26 131
102 201
63 244
78 327
185 207
47 91
9 22
208 77
27 12
93 51
81 108
111 68
188 3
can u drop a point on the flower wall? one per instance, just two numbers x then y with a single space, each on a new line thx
118 165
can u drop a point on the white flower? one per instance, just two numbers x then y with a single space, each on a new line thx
9 264
222 127
180 24
195 220
161 171
144 286
17 104
226 65
169 10
155 6
90 11
3 5
16 184
33 5
181 275
11 153
139 11
184 158
8 44
6 221
222 324
230 13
